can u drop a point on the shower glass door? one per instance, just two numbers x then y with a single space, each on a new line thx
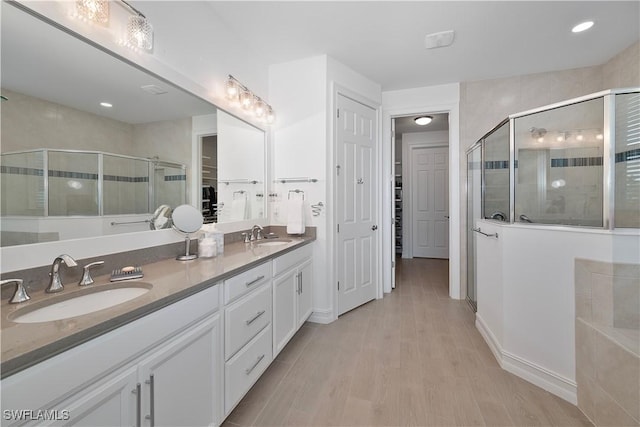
474 212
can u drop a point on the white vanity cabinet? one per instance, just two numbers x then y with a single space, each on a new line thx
247 337
179 381
292 294
162 369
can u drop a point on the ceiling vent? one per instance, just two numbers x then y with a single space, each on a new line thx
153 89
441 39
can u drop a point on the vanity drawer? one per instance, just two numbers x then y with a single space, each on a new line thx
291 259
243 283
245 318
244 369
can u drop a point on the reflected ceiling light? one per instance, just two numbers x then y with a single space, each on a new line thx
139 30
93 10
236 92
599 137
106 104
538 133
423 120
583 26
579 137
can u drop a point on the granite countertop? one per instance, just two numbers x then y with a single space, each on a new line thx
25 344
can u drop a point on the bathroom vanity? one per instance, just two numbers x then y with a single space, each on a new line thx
184 353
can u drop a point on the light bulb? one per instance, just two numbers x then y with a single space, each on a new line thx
246 99
599 136
259 108
271 116
541 139
139 33
231 89
579 137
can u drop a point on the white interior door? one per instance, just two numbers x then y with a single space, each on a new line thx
430 202
356 207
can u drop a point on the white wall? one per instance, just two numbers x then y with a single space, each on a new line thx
442 98
303 92
526 295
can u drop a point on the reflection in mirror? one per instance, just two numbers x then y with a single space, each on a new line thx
240 177
84 169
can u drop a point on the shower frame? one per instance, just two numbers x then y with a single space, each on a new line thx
152 164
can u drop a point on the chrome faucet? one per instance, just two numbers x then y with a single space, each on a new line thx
20 294
256 232
55 285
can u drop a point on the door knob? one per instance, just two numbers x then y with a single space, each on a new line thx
374 227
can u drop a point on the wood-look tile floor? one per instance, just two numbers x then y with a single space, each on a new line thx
411 358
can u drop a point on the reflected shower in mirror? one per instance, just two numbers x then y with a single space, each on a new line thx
91 144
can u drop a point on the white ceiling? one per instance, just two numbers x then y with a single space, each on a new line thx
384 40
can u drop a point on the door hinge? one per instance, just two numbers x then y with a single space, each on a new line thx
338 228
393 264
338 170
338 113
338 285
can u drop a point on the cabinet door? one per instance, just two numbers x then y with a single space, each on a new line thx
284 309
181 384
305 292
112 402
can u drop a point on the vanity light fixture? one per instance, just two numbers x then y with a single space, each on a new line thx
93 10
236 92
139 30
423 120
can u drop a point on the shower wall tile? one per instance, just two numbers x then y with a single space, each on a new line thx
618 374
602 299
607 370
626 303
583 291
586 348
608 412
586 395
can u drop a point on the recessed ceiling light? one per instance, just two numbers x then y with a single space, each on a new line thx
106 104
583 26
423 120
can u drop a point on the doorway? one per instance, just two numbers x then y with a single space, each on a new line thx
420 157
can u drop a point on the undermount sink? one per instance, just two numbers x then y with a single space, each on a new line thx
92 300
273 242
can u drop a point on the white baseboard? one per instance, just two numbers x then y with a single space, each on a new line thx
321 316
527 370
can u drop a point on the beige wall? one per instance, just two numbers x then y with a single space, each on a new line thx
31 123
483 104
623 70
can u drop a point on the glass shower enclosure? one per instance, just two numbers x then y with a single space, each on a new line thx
571 164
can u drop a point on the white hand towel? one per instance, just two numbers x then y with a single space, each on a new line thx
295 216
238 209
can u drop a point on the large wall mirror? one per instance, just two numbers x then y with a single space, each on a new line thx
92 145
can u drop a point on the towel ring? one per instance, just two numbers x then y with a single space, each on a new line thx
295 191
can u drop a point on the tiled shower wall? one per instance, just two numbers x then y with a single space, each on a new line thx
608 342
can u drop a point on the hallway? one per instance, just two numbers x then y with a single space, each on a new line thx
412 358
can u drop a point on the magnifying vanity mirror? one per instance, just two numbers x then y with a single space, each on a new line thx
93 145
187 220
